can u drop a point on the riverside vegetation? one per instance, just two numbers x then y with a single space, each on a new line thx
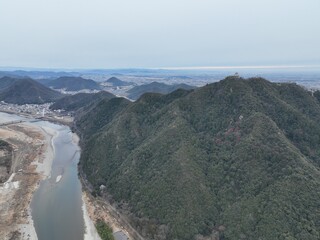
5 160
236 159
104 231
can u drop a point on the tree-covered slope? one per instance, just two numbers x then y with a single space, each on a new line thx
79 100
237 159
26 90
6 82
93 117
155 87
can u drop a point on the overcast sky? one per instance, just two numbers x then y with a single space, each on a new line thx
158 33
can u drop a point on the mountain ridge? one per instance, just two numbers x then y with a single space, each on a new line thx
155 87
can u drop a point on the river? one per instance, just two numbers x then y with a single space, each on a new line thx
57 203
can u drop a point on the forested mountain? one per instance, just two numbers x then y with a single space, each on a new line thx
25 90
236 159
79 100
155 87
73 84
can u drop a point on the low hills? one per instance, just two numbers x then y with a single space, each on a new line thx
116 82
155 87
73 84
236 159
77 101
25 90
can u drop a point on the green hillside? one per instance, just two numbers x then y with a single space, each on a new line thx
236 159
93 117
79 100
26 90
6 82
155 87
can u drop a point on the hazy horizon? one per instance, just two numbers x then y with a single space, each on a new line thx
195 68
82 34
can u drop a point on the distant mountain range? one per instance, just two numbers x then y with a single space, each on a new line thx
73 84
236 159
37 74
25 90
80 100
155 87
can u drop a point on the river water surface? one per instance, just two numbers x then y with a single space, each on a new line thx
56 204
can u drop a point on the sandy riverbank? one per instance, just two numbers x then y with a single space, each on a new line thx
90 231
30 150
43 169
44 166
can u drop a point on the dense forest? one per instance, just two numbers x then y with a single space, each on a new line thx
155 87
80 100
236 159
